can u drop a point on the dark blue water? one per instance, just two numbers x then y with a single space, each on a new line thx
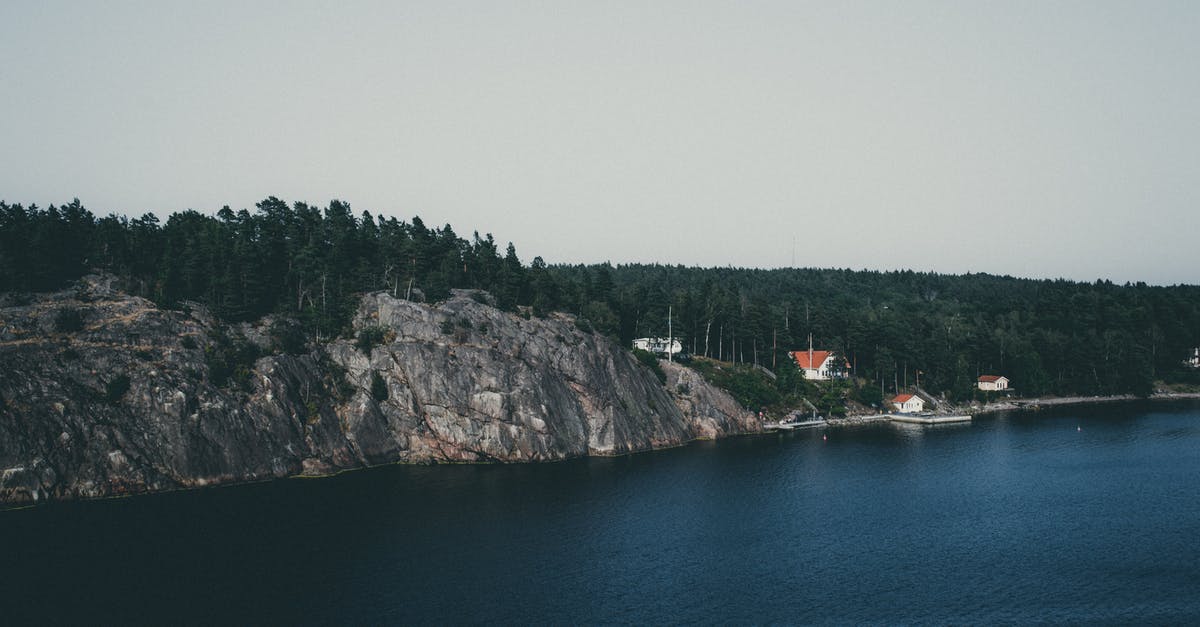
1082 515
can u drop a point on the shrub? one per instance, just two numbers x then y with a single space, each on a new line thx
116 388
650 361
287 337
869 394
369 338
334 378
379 389
68 320
753 389
188 342
230 361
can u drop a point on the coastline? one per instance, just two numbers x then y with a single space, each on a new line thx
1055 401
1019 404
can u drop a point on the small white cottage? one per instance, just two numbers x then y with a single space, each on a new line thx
659 345
908 403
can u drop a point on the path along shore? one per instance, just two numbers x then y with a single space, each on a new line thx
1036 403
1009 405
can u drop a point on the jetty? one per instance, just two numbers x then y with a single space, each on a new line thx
927 420
788 426
917 419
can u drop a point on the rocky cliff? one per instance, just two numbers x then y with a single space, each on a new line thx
103 394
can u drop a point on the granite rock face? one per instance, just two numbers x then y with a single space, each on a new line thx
118 396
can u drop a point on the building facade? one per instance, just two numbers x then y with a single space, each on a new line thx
659 345
993 383
819 365
908 403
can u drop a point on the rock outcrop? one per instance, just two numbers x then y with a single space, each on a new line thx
103 394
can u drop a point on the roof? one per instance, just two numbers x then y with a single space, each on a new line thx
818 358
904 398
991 378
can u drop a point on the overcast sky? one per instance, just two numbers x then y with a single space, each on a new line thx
1039 139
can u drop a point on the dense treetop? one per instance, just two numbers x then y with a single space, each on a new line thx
1047 336
299 260
310 263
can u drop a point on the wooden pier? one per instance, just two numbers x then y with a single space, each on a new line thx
927 420
788 426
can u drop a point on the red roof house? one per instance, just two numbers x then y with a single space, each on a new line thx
908 403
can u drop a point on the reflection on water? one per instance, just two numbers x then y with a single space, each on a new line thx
1084 514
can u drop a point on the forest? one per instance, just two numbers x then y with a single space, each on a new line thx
311 264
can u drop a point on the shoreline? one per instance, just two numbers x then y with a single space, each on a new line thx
1018 404
847 421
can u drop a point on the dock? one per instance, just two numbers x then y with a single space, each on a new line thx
904 418
788 426
927 420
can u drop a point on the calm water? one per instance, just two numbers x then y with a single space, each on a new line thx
1084 514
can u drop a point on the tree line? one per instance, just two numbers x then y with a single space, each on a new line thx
305 262
311 264
1047 336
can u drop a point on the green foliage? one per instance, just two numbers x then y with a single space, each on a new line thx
230 361
748 385
832 398
1047 336
287 337
68 320
334 379
188 342
369 338
868 394
311 263
599 317
116 388
379 389
300 261
650 361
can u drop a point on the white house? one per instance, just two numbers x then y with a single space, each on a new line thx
818 365
993 383
1195 360
659 345
908 403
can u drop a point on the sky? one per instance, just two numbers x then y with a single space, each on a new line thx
1040 139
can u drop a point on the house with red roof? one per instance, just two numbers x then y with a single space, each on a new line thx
908 403
819 365
993 383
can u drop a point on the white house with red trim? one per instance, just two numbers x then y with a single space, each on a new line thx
819 365
908 403
993 383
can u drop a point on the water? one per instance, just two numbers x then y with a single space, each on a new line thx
1081 515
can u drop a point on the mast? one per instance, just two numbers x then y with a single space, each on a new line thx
810 353
670 337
